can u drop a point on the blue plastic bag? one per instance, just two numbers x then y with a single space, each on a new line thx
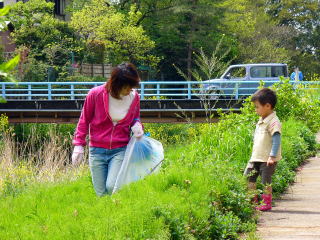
142 157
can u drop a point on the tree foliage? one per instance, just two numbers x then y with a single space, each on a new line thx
44 41
123 38
7 67
37 28
304 17
259 38
171 33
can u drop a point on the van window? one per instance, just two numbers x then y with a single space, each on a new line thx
236 72
268 71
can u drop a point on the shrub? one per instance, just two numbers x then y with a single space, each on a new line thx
82 78
35 70
173 134
295 101
4 123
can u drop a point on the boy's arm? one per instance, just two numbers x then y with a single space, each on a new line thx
276 140
275 131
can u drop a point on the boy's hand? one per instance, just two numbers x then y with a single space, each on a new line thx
271 161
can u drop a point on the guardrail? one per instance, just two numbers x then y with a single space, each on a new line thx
148 90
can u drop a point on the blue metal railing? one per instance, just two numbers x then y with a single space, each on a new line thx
148 90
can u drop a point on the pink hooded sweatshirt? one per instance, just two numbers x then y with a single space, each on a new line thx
95 116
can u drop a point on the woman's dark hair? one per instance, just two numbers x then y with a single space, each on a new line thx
123 75
264 96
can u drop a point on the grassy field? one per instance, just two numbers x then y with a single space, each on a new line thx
200 193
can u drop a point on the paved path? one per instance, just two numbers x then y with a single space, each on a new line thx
296 216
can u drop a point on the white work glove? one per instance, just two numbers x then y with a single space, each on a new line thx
137 130
77 155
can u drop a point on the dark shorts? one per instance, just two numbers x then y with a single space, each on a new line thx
260 168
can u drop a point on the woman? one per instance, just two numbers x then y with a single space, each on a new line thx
110 111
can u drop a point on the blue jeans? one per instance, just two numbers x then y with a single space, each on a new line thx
105 165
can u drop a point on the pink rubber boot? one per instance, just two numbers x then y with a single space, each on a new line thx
266 203
255 200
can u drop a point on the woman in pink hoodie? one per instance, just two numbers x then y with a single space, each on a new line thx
110 113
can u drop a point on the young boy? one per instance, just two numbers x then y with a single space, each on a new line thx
266 150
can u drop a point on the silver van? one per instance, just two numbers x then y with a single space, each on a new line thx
243 79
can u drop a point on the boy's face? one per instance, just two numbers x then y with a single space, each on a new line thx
263 110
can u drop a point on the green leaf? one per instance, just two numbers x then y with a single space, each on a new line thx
10 65
4 11
2 100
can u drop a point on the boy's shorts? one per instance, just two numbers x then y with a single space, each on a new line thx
260 168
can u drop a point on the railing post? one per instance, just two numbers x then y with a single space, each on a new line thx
49 92
142 91
189 90
3 90
72 92
237 91
29 92
158 91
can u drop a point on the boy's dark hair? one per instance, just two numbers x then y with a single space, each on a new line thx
264 96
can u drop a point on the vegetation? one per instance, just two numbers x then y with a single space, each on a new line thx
164 35
6 67
200 193
44 42
122 38
255 31
194 196
52 48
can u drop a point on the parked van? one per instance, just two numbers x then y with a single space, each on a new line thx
243 79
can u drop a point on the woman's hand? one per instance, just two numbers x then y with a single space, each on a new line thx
137 130
77 155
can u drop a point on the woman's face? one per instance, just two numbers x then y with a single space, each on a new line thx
125 91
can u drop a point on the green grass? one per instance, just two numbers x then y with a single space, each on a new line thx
199 194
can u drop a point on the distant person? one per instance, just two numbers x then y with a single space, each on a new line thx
110 112
266 150
296 75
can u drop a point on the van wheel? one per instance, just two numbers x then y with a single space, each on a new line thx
218 95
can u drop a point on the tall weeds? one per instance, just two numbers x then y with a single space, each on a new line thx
34 160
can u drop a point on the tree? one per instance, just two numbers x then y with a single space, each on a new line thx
147 8
39 33
29 14
255 30
124 39
180 29
37 28
259 37
7 67
303 16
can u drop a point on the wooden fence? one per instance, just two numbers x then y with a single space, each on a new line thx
94 70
